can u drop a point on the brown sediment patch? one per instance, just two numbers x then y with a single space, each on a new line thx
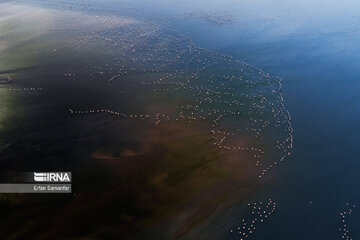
184 177
240 182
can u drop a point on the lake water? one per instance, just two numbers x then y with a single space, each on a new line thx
311 46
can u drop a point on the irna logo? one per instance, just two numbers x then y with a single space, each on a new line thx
52 177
